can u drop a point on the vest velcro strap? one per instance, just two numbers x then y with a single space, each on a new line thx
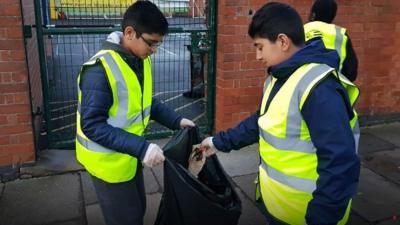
92 146
300 184
283 144
123 123
138 117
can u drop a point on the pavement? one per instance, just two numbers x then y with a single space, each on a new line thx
57 191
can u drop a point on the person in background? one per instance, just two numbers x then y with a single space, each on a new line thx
115 105
320 25
306 128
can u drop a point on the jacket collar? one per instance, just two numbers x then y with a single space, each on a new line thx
312 52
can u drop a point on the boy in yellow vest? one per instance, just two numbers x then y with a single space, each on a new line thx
322 14
306 127
115 105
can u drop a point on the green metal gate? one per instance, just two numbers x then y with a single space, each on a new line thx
71 31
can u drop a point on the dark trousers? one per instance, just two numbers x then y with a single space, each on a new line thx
122 203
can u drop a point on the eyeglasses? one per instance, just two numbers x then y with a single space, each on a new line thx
150 43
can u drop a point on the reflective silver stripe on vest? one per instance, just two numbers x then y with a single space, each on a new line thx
95 57
122 92
284 144
338 41
356 132
300 184
293 125
92 146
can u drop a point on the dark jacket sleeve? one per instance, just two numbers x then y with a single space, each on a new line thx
350 63
164 115
327 113
96 101
246 133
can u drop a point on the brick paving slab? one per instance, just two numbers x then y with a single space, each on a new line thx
246 184
153 201
150 182
370 144
94 215
387 132
250 214
41 200
386 164
377 198
89 193
241 162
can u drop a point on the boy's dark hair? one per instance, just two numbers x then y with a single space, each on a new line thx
323 10
145 17
277 18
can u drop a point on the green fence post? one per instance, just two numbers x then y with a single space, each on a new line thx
42 64
212 21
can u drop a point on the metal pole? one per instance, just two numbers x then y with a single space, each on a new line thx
42 64
212 22
192 8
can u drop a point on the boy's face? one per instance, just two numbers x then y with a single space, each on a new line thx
271 53
141 45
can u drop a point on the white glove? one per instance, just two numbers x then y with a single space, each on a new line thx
154 156
186 123
208 146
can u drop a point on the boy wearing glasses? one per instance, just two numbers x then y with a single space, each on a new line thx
115 105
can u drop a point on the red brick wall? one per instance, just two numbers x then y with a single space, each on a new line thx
373 25
16 138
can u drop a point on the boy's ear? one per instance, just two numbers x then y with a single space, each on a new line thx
284 42
129 32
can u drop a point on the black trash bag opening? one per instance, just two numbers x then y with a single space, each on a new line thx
178 149
211 199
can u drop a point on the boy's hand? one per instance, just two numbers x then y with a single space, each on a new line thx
154 156
186 123
208 146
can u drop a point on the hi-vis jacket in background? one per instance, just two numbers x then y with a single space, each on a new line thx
128 113
333 36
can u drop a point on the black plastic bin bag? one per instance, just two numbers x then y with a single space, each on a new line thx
209 199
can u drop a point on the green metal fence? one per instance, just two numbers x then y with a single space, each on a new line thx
71 31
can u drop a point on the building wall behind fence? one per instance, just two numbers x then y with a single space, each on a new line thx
374 28
16 137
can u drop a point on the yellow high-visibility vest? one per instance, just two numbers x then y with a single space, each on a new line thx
333 36
130 111
288 169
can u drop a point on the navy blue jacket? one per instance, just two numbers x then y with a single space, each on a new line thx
97 100
327 113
